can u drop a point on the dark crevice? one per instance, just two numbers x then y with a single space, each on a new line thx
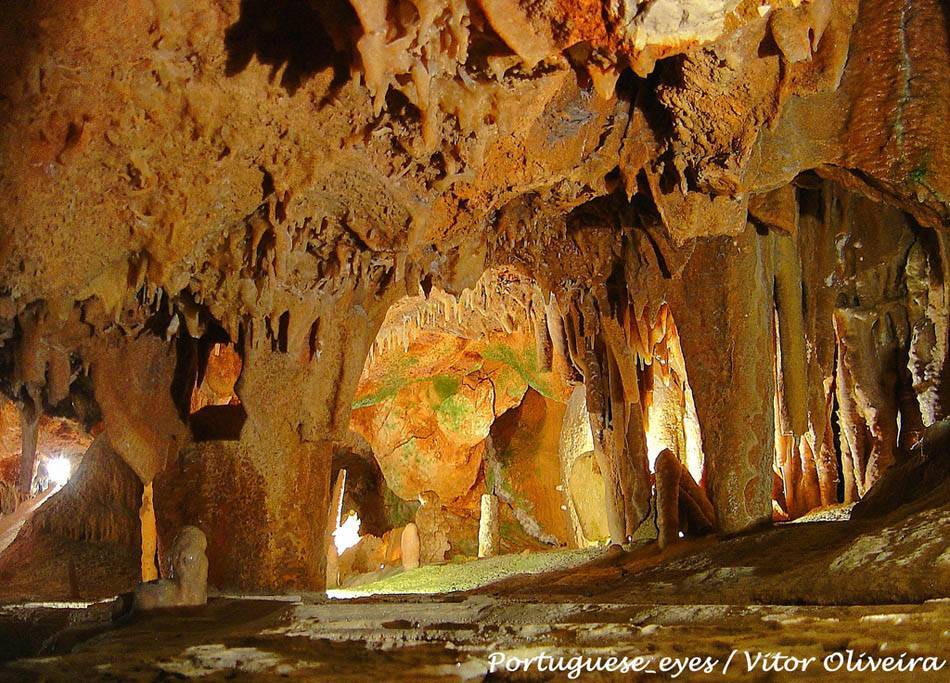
293 36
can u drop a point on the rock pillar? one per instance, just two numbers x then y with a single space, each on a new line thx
725 328
488 538
409 546
263 499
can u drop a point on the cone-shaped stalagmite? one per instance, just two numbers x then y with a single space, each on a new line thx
681 504
409 546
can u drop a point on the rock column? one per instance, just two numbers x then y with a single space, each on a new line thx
725 327
488 538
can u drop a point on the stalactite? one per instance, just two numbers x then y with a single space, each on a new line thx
927 303
613 401
867 392
29 430
132 380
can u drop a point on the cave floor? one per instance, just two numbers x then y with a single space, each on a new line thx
451 638
874 587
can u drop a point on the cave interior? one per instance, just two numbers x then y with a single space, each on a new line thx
412 339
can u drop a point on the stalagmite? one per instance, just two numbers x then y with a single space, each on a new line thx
409 545
333 566
668 473
188 584
432 529
29 425
149 534
681 504
488 540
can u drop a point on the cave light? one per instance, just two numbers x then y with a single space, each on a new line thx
655 444
58 470
347 534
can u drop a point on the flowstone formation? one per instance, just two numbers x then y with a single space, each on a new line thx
628 268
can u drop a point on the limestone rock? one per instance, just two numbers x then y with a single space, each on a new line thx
524 469
233 231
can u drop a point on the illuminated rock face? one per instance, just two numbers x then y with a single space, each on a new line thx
439 375
525 471
234 231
